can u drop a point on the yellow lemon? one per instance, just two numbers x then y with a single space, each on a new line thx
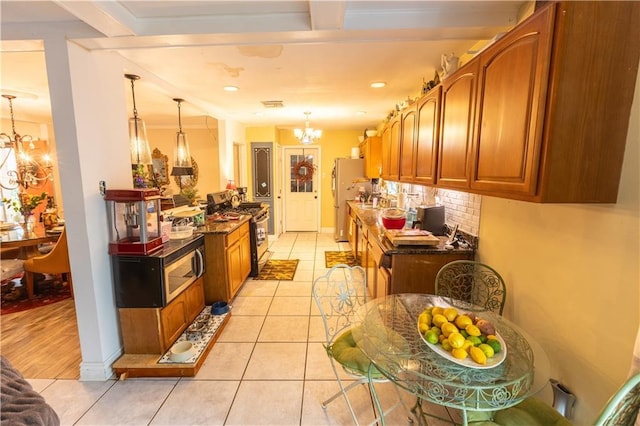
442 338
459 353
477 355
472 330
456 340
423 327
467 344
488 350
450 313
447 346
425 318
462 321
439 319
437 310
436 330
475 340
448 328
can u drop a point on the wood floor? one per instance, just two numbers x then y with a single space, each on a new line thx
43 343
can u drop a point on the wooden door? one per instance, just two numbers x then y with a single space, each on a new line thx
407 144
456 130
427 131
512 87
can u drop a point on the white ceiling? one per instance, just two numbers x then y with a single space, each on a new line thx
318 56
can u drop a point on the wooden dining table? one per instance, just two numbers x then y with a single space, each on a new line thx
388 335
26 242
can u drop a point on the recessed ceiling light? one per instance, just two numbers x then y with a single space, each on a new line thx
230 88
361 112
378 84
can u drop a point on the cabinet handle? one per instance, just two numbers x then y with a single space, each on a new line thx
200 263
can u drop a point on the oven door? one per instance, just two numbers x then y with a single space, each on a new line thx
262 235
179 274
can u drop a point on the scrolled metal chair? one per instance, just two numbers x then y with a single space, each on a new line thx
339 294
472 282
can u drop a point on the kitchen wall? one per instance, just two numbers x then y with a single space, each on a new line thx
203 144
573 276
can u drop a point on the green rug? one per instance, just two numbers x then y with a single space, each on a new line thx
332 258
278 270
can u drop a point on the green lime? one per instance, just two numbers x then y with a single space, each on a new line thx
488 350
464 333
495 344
431 337
475 340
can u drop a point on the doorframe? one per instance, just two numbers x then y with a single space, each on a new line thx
285 178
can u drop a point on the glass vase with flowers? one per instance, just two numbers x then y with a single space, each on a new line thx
25 204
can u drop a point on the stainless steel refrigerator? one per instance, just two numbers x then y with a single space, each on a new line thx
346 178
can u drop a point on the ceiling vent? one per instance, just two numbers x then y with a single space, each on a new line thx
273 104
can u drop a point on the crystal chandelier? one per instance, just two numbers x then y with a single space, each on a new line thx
30 171
307 135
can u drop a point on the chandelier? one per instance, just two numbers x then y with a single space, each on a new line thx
307 135
31 170
138 141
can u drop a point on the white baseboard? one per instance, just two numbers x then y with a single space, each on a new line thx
98 371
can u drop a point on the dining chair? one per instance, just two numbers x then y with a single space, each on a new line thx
620 410
472 282
54 262
338 295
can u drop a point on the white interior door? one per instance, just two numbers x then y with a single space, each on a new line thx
301 189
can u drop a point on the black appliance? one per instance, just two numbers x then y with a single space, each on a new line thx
152 281
431 219
219 207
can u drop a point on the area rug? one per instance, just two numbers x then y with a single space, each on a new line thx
333 258
278 270
45 295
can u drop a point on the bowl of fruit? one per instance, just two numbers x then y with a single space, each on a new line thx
464 338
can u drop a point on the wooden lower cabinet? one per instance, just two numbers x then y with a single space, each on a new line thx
228 263
153 330
405 273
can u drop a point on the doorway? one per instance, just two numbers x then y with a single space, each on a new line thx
301 168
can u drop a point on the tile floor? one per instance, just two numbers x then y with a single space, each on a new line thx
268 366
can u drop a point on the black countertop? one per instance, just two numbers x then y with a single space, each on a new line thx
369 217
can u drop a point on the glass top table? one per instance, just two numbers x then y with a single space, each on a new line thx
14 236
389 336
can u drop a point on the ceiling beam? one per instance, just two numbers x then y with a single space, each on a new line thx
326 15
110 18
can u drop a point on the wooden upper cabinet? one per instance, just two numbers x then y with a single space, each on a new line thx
426 136
386 151
407 144
456 129
512 85
554 99
395 132
372 150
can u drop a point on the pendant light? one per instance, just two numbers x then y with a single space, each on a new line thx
138 141
181 155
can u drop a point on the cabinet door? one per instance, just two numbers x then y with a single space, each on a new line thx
194 299
512 87
174 320
407 143
370 266
394 148
234 268
245 256
427 130
386 151
373 157
456 130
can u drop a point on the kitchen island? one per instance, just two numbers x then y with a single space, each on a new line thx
394 269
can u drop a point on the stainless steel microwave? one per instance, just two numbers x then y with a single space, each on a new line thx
154 280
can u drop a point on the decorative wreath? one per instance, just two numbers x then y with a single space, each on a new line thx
303 171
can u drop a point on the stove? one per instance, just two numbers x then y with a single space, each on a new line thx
220 208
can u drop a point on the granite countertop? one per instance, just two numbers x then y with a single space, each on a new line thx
369 217
213 227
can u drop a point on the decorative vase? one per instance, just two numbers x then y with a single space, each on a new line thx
29 223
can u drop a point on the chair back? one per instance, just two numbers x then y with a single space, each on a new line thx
622 407
54 262
472 282
338 294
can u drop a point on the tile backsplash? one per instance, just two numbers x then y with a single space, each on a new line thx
461 208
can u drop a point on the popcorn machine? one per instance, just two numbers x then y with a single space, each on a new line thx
134 220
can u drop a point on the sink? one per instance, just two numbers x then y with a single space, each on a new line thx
366 206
